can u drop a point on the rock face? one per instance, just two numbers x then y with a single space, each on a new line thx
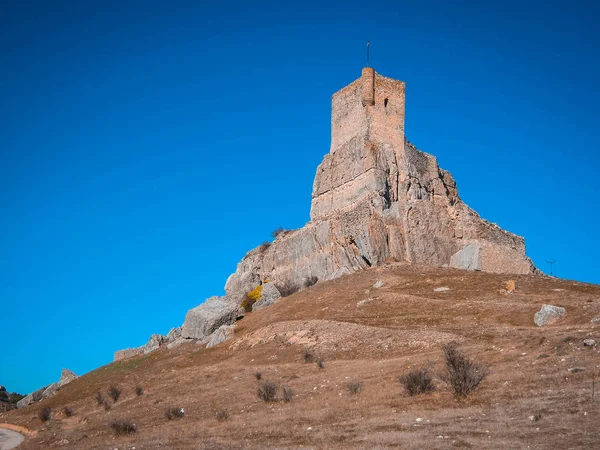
375 198
269 295
548 315
221 334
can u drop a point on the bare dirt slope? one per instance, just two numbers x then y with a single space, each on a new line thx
363 334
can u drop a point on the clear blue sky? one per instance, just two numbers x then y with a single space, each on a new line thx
147 146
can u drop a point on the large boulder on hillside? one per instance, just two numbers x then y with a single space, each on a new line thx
269 295
155 341
203 320
66 377
31 398
50 390
221 334
548 315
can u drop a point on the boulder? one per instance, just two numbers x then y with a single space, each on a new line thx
203 320
173 334
378 284
66 377
221 334
155 341
589 342
127 353
548 315
50 390
269 295
31 398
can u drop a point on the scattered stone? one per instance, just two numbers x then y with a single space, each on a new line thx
418 420
548 315
269 295
378 284
558 290
221 334
441 289
576 369
596 320
589 342
535 417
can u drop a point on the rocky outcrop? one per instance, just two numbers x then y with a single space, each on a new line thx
66 377
221 334
202 321
375 198
269 295
35 396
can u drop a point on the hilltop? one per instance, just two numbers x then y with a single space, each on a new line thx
363 334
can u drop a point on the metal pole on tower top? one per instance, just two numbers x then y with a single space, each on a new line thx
368 47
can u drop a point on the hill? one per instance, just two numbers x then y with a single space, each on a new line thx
538 393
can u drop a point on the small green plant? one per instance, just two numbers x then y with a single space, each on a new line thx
462 374
267 391
139 391
45 414
121 427
174 413
69 412
417 381
354 387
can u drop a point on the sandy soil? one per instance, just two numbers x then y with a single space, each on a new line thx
371 336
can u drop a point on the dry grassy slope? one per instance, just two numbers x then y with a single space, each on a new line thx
364 334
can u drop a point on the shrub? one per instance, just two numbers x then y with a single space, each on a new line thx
287 288
139 391
320 363
251 297
287 393
264 246
310 281
308 356
114 393
100 398
417 381
258 375
107 405
462 374
174 413
277 231
45 414
69 412
123 427
354 387
222 415
267 391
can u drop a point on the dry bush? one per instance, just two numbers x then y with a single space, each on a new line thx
354 387
114 392
69 412
287 393
258 375
310 281
107 405
123 427
267 391
308 356
45 414
139 391
417 381
100 398
462 374
174 413
222 415
264 246
287 288
320 363
277 231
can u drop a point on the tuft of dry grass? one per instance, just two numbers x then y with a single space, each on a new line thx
69 412
286 393
320 363
139 391
45 414
354 387
417 381
121 427
308 356
100 398
222 415
267 391
114 392
258 375
462 374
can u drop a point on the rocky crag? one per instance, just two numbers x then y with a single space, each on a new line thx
376 198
